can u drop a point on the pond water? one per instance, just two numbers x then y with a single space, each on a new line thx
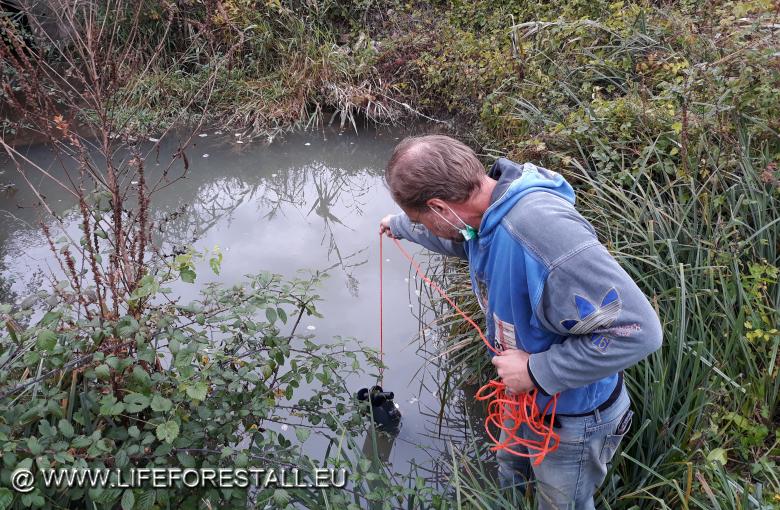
306 201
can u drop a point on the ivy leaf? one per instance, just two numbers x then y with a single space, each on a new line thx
46 341
167 431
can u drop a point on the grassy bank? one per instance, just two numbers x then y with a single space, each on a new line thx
666 121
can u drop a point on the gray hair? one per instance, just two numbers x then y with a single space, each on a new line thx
432 166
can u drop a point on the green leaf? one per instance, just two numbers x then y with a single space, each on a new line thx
302 434
50 318
128 500
110 407
126 327
103 371
146 500
198 391
718 455
281 498
185 460
5 498
282 314
147 286
82 442
216 261
121 459
65 428
187 275
270 314
133 431
47 339
161 404
167 431
141 376
34 445
135 402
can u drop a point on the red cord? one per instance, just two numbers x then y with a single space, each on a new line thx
381 309
504 406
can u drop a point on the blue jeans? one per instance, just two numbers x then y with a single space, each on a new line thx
569 476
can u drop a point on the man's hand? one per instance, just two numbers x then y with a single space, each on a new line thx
384 226
512 368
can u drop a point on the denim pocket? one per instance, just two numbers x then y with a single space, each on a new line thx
612 441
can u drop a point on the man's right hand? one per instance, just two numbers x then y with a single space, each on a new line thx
384 226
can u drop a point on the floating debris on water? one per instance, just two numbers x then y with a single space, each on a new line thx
205 155
406 280
413 400
203 135
274 175
307 143
155 140
284 426
237 134
133 182
387 260
217 132
311 328
239 141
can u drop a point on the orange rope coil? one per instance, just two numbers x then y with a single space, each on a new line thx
506 411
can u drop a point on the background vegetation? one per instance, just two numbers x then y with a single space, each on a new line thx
663 114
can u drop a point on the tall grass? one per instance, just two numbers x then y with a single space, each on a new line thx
673 150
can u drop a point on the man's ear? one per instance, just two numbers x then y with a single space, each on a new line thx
437 203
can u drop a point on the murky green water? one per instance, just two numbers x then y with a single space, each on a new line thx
311 200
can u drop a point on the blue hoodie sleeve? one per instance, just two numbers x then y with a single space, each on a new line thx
606 322
402 228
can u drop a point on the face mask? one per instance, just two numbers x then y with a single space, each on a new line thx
468 232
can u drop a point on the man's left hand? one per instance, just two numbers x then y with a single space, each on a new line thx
512 367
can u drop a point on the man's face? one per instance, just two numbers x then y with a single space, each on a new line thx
435 224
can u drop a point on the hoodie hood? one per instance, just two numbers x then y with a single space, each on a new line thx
514 182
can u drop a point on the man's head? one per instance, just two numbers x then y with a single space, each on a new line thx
432 178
